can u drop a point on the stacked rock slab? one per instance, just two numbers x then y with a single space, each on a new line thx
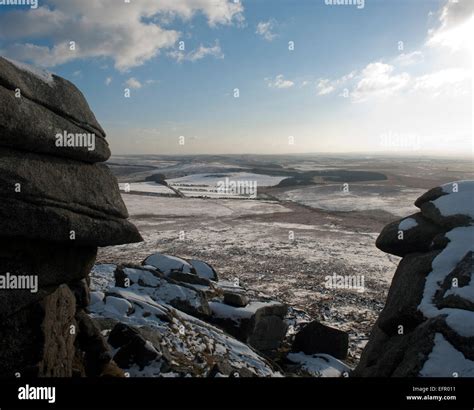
58 204
427 325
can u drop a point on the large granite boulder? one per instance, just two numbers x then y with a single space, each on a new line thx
57 205
412 234
427 326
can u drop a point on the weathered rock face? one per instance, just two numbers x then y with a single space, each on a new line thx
38 105
427 325
37 340
58 204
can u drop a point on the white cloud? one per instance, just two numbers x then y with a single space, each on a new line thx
125 32
265 29
324 87
108 81
279 82
378 80
198 54
450 81
405 60
455 31
133 83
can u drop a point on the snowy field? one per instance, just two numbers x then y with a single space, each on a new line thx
213 179
396 200
150 209
223 185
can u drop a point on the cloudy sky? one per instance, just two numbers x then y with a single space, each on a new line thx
260 76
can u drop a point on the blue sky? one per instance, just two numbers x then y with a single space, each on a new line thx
349 85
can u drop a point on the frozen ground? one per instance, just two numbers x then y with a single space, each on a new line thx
283 251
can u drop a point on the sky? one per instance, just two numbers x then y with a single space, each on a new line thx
260 76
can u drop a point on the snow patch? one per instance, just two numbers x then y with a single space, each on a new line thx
464 292
459 200
102 275
446 361
43 75
320 365
223 311
461 242
166 263
117 305
406 224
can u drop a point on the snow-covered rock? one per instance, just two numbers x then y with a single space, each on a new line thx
412 234
184 345
204 270
449 205
427 325
259 324
183 328
166 263
162 290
